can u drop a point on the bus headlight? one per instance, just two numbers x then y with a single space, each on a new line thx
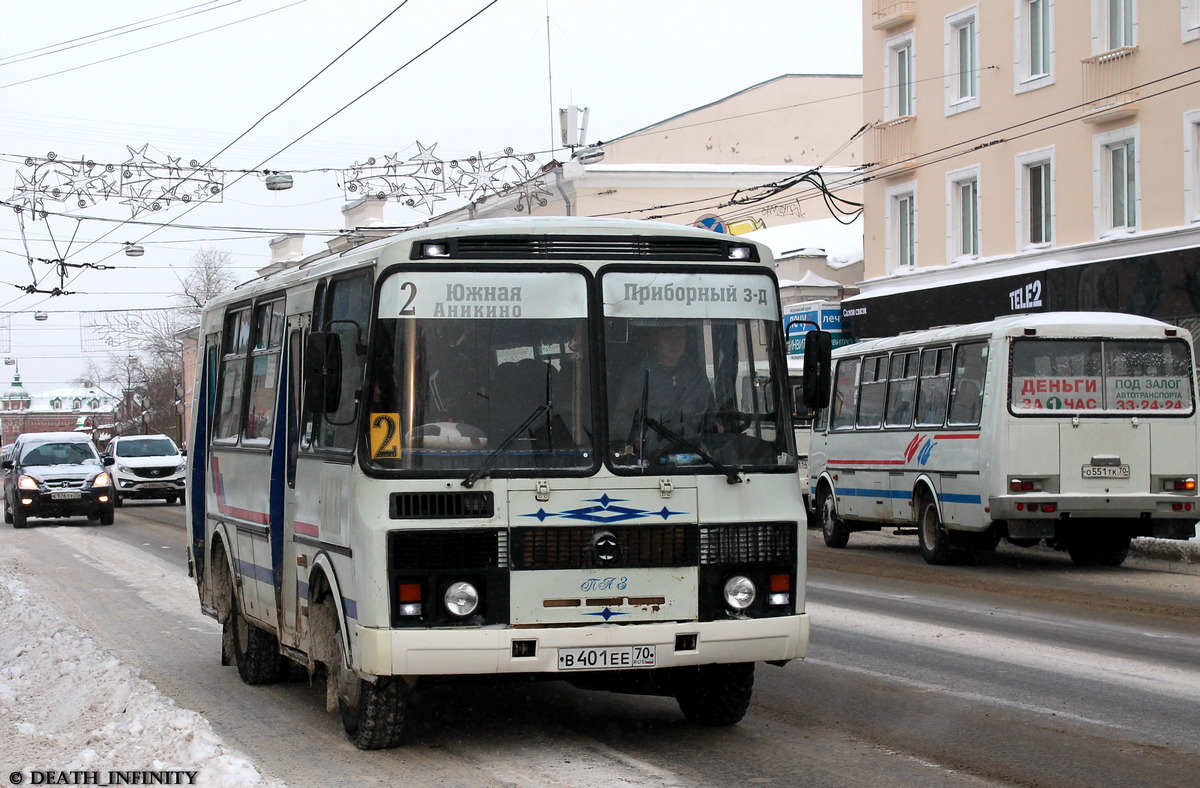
740 592
461 599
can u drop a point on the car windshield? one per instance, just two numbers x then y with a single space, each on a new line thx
59 454
145 447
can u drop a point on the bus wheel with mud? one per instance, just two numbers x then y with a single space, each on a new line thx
833 528
933 536
714 695
373 712
256 650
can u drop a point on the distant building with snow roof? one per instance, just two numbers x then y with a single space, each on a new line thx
80 408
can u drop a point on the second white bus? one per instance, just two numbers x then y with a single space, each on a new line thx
1078 429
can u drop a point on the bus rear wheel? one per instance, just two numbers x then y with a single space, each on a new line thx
255 649
1099 547
714 695
933 536
833 528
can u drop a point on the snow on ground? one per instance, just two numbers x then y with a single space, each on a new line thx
68 705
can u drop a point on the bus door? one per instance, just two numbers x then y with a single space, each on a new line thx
292 571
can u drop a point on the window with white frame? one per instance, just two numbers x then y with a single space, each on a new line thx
901 251
1191 20
1035 199
962 61
1034 39
899 65
1191 165
962 202
1114 24
1116 180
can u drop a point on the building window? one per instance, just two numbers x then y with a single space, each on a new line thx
1034 43
1116 184
963 204
962 61
1114 24
56 403
75 404
1035 207
1191 165
1191 20
902 227
899 65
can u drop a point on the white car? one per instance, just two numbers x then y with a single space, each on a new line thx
147 466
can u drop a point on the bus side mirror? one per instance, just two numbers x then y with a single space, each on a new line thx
818 361
322 371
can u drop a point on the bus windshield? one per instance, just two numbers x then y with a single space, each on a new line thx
694 386
470 364
1099 376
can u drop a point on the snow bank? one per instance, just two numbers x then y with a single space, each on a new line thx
67 705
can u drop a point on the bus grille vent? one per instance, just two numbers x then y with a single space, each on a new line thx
431 551
589 547
440 505
588 247
747 544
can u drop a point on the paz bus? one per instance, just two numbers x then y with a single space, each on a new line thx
1077 429
451 452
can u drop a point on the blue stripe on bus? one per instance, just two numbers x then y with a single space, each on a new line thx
348 605
904 495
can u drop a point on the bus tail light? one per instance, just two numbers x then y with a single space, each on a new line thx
1179 485
1037 507
1025 485
410 599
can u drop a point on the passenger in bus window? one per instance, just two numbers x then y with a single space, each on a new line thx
675 388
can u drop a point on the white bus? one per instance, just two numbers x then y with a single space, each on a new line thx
450 452
1076 428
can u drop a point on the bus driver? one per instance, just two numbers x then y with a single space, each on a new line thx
676 391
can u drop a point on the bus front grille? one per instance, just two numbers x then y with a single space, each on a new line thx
432 551
589 547
749 543
439 505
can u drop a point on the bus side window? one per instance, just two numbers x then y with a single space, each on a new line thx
345 311
845 395
873 390
933 388
966 396
902 390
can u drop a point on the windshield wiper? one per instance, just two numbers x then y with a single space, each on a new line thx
490 460
731 474
504 444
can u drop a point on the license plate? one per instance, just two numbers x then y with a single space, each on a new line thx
607 658
1106 471
68 495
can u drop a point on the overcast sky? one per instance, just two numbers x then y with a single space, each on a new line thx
165 83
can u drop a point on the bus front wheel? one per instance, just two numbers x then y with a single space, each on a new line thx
714 695
373 712
833 528
933 536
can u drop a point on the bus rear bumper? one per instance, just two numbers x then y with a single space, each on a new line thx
1101 507
383 652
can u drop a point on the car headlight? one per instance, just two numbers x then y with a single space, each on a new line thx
124 469
740 592
181 467
101 480
461 599
27 483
